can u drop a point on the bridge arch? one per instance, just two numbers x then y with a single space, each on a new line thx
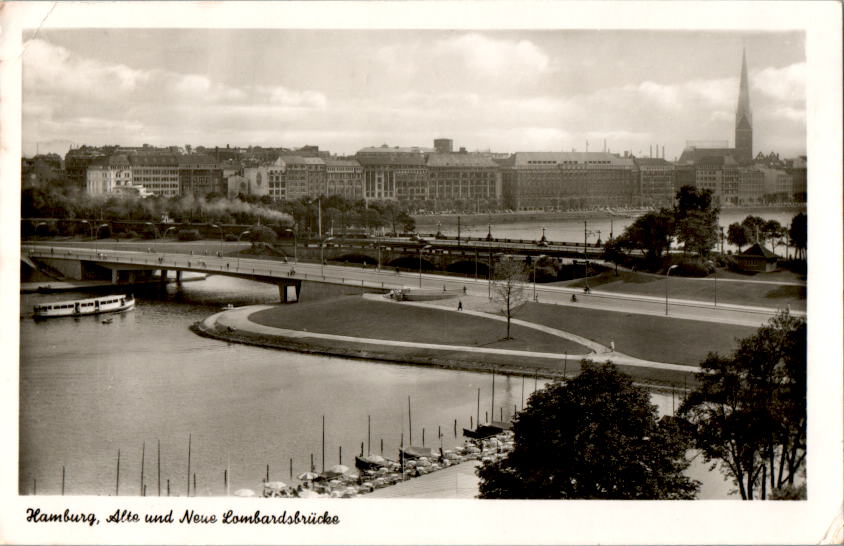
468 267
412 263
355 258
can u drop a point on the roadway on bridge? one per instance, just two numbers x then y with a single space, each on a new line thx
370 278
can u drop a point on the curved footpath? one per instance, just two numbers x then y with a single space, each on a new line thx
235 325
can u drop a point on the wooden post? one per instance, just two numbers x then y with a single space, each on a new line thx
423 436
194 484
455 428
361 449
62 480
312 463
492 404
226 479
190 437
291 468
471 425
478 414
382 446
268 474
117 478
501 413
486 417
168 487
341 454
143 457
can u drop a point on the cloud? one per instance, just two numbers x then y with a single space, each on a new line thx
784 84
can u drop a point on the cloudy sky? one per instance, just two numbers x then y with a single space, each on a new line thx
343 90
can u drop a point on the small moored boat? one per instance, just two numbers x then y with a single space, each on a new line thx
78 308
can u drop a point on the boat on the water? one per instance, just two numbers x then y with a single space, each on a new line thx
78 308
487 430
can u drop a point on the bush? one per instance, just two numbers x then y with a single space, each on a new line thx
188 235
691 269
104 232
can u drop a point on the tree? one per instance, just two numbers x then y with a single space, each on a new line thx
509 289
698 231
596 436
696 220
650 233
797 233
749 409
755 227
737 235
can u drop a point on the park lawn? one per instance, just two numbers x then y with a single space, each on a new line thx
649 337
358 317
703 290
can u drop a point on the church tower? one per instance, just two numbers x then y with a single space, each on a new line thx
744 119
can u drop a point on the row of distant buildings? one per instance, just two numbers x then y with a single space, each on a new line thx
439 178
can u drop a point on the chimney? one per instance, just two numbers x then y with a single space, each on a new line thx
650 150
663 152
587 146
605 145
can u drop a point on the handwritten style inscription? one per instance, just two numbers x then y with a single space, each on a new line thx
189 517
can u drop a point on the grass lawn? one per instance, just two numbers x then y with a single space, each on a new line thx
648 337
742 293
357 317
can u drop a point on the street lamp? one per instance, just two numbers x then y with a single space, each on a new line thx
666 288
715 271
420 263
322 254
534 274
222 235
238 252
295 244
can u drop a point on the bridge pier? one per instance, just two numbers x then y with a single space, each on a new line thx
284 294
178 277
162 277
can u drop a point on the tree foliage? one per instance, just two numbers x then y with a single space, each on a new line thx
696 220
749 410
650 233
737 235
595 437
798 232
508 288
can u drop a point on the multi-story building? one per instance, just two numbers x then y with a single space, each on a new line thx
76 163
158 173
344 177
719 175
199 175
778 184
656 182
108 174
751 186
394 173
564 180
303 177
462 176
796 168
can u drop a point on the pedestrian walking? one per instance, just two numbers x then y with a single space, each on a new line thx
464 290
459 305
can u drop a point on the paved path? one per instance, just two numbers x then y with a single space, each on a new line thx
238 319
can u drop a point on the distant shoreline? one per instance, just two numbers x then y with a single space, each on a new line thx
426 221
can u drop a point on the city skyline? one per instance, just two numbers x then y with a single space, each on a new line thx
506 91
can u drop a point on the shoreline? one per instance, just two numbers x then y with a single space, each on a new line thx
427 221
210 328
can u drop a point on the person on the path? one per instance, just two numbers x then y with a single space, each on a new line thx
459 305
612 346
464 290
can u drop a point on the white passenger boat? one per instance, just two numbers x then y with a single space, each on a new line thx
78 308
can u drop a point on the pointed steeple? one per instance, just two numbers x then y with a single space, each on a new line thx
744 118
743 109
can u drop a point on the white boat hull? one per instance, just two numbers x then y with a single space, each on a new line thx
81 308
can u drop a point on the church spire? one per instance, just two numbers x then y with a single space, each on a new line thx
744 118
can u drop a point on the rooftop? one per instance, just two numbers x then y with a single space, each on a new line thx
460 160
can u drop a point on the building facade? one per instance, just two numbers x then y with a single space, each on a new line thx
108 174
463 177
158 173
344 177
199 175
751 186
656 182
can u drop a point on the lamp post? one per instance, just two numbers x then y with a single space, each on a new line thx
247 232
322 254
420 263
90 226
715 271
534 274
586 233
295 244
222 235
667 273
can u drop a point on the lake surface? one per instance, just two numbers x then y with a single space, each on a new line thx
89 389
597 224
